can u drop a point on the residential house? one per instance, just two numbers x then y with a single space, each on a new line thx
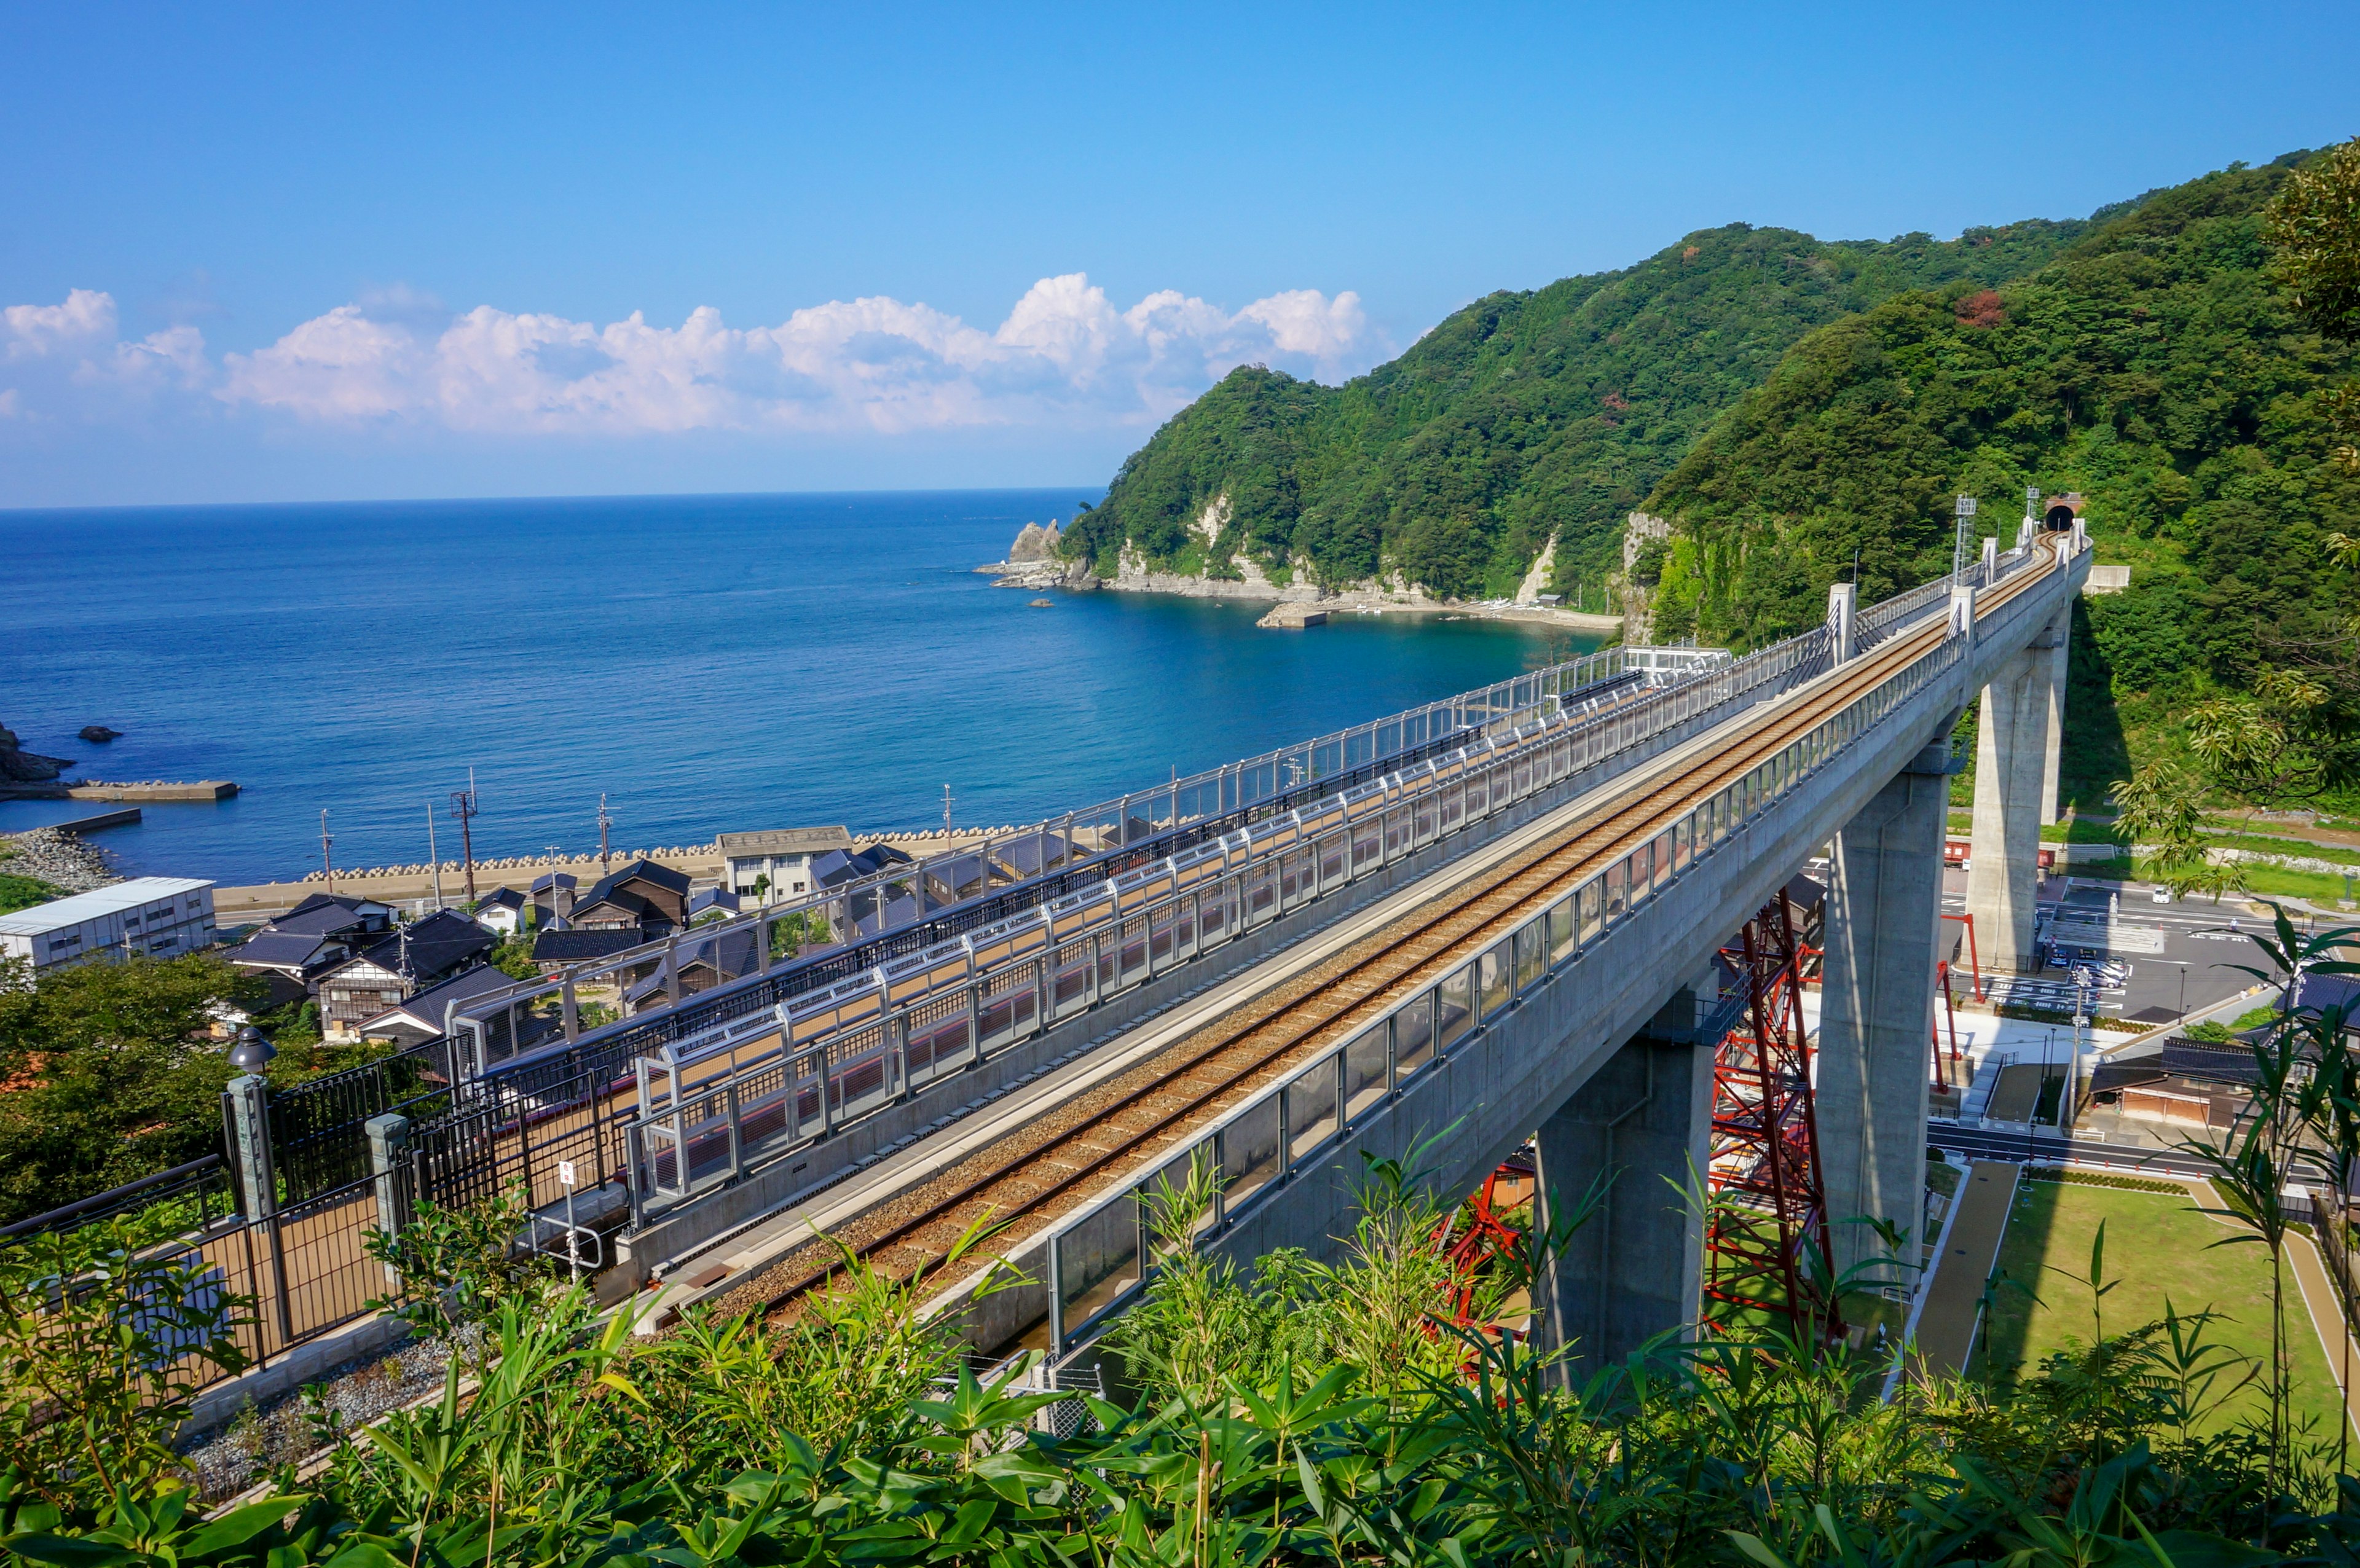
643 896
323 930
776 863
502 912
552 902
709 904
420 1016
442 945
702 963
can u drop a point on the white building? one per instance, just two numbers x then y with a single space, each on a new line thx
783 855
163 916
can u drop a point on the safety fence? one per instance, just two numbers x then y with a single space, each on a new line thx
707 1113
801 944
1100 1257
304 1268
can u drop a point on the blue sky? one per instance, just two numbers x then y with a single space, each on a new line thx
272 252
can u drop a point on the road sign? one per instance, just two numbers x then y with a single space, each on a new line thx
565 1172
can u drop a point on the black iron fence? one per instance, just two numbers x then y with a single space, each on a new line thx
317 1137
305 1267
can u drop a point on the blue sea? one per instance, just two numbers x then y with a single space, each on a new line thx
711 663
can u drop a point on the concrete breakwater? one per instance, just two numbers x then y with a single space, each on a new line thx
154 791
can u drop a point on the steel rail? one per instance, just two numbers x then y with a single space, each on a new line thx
1628 820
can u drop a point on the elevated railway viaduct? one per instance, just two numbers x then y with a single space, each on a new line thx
1533 962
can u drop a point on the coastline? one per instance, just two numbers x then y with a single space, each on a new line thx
1039 576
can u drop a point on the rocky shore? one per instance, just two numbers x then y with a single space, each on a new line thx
57 859
1033 564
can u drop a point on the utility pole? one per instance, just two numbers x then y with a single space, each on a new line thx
946 810
605 822
1964 510
462 806
434 857
327 845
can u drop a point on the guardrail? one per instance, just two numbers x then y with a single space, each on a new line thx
874 1038
497 1029
1102 1257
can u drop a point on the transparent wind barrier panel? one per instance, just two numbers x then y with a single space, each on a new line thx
1170 1200
1413 1036
1249 1152
764 1106
1311 1110
1455 1008
1560 931
1492 971
1367 1071
1010 1004
860 1073
1592 900
1071 983
940 1039
1097 1259
1532 951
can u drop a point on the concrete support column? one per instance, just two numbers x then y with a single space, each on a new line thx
1645 1119
2057 671
1876 1007
2013 752
1842 607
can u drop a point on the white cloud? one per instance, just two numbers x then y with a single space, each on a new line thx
87 316
1064 354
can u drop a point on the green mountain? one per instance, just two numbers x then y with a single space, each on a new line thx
2153 365
1521 416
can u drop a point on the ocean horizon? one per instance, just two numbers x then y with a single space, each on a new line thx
711 663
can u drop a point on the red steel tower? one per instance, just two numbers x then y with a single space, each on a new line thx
1769 1205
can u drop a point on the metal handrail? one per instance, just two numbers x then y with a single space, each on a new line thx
1237 783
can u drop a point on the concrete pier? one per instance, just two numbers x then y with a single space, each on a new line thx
1877 1009
1643 1123
2013 751
2058 672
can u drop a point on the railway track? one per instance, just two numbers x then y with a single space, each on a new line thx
1060 1159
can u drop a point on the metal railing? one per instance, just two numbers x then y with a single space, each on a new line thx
951 892
1102 1257
873 1040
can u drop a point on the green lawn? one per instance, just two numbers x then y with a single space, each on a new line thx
2158 1246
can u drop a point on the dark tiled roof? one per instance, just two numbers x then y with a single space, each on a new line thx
630 904
316 917
648 871
506 898
279 949
713 898
575 946
343 901
841 865
441 942
559 878
425 1008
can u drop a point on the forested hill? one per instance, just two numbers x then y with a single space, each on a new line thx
1522 415
2154 366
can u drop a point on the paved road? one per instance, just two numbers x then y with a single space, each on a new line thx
2190 972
